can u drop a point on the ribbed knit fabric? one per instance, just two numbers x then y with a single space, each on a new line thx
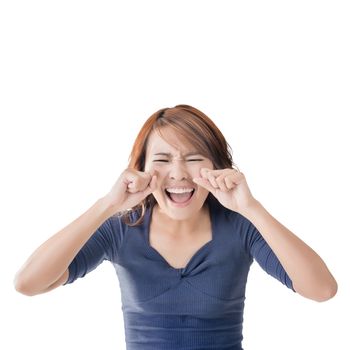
192 308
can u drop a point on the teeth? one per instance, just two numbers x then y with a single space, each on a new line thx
179 190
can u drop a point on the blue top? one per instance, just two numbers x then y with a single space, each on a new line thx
192 308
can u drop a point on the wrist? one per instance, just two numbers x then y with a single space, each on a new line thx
107 206
250 209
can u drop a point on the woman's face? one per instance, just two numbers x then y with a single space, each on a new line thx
176 163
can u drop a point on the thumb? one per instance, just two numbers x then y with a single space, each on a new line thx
204 183
151 186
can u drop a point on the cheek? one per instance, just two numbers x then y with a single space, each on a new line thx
161 173
161 180
195 169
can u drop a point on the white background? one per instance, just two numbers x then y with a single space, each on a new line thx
79 78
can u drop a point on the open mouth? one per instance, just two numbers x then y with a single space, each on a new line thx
179 195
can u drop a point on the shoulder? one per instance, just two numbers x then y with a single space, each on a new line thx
235 223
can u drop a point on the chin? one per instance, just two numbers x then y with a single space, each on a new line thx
181 211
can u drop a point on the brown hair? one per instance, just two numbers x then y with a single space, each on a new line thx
195 127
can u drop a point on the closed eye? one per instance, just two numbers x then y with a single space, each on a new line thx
189 160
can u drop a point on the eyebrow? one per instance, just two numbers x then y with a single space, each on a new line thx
169 154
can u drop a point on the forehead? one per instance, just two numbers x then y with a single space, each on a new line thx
168 140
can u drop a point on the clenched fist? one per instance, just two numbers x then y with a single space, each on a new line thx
131 188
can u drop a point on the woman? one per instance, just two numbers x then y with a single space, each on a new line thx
182 228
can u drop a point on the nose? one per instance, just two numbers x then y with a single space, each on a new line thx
178 170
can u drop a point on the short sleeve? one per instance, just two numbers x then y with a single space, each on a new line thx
259 250
102 245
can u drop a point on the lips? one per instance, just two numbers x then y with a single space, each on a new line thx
179 194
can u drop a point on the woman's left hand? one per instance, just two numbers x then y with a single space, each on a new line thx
228 186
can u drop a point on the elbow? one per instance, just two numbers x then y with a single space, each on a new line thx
22 286
328 293
320 293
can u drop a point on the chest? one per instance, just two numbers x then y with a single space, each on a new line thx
178 251
153 265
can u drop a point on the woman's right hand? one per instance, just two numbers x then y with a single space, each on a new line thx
131 188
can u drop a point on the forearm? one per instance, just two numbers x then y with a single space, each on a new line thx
51 259
309 274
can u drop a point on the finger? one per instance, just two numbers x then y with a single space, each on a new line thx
229 182
212 175
134 186
151 187
204 183
237 177
211 178
154 183
204 172
131 187
220 180
138 182
235 167
215 172
130 181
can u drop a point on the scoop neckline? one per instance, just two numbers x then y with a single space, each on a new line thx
149 213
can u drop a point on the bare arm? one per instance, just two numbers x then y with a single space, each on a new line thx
47 267
63 279
308 272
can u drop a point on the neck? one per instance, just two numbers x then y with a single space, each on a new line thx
183 227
